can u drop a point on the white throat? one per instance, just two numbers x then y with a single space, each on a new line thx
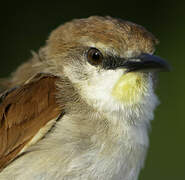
129 121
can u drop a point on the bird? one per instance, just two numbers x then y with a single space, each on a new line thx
81 107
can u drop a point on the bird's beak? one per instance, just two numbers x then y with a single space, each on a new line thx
146 63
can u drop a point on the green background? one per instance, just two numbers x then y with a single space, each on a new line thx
26 25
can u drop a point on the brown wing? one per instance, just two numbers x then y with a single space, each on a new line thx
23 112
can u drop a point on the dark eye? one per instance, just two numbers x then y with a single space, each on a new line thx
94 56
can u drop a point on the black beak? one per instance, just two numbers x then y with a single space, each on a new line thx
146 63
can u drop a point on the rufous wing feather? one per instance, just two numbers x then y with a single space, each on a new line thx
23 112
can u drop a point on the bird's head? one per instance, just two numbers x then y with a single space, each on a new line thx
110 61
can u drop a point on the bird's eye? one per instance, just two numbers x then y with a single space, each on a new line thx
94 56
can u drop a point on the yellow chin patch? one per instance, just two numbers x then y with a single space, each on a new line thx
130 87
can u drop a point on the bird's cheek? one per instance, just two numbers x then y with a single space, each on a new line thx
131 87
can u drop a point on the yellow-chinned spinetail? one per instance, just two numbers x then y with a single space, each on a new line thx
80 108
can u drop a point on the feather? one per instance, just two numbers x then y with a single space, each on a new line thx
23 112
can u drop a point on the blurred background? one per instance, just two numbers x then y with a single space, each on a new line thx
26 25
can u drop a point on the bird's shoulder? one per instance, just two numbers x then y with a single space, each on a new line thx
24 111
